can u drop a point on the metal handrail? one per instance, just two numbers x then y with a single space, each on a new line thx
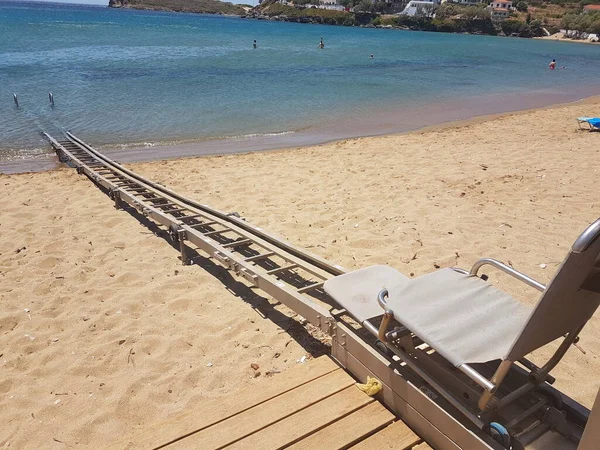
587 238
388 314
509 270
381 299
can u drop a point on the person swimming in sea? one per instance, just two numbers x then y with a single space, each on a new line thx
552 64
254 44
372 56
321 44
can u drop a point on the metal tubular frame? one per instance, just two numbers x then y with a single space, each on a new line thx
477 377
559 353
388 315
509 270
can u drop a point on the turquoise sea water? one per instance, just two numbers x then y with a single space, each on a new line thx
139 77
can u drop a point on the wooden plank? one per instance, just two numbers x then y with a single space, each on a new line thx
422 446
307 421
244 424
397 436
215 410
348 430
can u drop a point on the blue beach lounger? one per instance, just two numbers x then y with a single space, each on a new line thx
592 122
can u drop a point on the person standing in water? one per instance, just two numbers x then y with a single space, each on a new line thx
552 64
254 44
321 44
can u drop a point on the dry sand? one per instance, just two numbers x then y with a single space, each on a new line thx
102 330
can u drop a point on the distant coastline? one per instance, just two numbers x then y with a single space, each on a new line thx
454 18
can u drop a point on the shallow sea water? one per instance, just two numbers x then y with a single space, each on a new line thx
126 78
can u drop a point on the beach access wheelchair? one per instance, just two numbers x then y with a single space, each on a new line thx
469 340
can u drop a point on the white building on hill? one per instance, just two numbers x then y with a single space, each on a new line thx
500 9
465 2
507 4
331 5
419 8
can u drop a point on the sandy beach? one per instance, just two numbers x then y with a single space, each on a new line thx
561 37
103 331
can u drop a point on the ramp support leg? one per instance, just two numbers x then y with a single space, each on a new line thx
115 194
183 248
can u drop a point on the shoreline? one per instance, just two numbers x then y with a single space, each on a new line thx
379 125
328 17
559 37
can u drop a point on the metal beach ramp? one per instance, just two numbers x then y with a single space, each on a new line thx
298 279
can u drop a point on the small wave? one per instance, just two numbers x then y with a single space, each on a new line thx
132 145
128 145
172 142
19 154
254 135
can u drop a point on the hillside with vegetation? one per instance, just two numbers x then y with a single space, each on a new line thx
582 23
193 6
556 14
530 18
449 17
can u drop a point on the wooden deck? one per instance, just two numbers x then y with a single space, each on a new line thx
315 405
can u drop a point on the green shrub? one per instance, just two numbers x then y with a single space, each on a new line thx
521 6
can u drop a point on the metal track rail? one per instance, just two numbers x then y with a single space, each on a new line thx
257 231
288 274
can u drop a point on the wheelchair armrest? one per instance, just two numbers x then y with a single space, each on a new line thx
509 270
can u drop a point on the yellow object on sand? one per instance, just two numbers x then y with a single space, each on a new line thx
371 387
